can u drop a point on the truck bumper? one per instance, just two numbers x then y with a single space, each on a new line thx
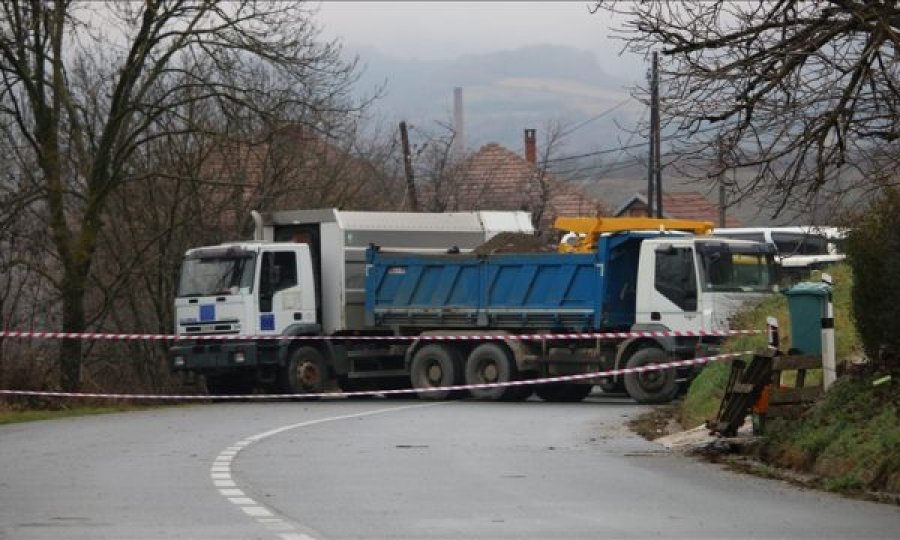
210 357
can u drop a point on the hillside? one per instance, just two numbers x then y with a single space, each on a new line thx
504 93
533 87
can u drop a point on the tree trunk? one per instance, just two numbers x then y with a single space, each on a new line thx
73 321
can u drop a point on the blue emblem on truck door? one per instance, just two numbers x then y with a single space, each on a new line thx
267 321
207 313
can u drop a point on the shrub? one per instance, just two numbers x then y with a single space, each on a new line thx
873 251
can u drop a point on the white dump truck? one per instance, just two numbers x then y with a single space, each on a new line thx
364 300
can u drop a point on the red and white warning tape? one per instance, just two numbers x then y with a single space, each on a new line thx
464 337
565 378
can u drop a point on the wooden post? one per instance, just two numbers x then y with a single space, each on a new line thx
651 160
407 165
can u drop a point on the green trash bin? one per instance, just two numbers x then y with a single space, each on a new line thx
807 304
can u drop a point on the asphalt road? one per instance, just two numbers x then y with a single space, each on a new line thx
391 469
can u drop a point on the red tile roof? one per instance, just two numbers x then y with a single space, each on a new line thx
682 205
496 178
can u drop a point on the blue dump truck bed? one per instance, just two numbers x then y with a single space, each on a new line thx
561 291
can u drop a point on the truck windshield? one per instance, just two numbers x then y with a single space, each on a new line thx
207 276
730 268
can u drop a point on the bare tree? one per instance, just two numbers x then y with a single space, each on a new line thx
85 86
799 95
202 190
437 166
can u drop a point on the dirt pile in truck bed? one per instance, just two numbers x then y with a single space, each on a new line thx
509 242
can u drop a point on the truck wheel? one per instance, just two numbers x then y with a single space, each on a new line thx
305 372
657 386
491 363
563 392
434 366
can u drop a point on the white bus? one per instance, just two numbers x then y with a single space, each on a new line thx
799 249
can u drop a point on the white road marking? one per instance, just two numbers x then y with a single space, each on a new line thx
295 536
257 511
220 471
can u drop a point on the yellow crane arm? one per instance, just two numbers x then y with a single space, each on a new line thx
589 228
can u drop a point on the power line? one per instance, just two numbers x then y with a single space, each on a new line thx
619 149
596 117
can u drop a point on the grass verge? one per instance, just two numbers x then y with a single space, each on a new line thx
13 415
849 439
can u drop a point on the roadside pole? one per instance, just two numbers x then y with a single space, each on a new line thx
829 368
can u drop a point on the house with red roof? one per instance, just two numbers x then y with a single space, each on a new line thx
496 178
678 205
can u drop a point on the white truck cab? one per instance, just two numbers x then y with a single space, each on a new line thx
253 288
696 284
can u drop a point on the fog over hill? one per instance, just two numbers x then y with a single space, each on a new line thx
505 92
537 86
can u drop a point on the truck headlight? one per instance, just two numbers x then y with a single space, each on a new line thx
239 357
178 361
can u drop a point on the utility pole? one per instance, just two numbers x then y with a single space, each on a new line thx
654 120
651 161
407 165
722 201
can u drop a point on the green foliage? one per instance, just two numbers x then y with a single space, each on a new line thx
849 438
873 250
702 400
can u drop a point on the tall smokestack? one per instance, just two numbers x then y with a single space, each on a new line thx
459 139
531 146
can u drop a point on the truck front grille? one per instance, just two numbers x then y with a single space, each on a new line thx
211 328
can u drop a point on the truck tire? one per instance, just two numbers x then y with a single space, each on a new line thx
651 386
492 363
305 372
563 392
433 366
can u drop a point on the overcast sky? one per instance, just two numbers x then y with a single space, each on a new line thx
443 30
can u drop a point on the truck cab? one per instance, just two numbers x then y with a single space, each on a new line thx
248 288
256 289
696 284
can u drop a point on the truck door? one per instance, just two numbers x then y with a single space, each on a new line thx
282 299
672 300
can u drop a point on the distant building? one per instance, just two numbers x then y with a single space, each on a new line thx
496 178
677 205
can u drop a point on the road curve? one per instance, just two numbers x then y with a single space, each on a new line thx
390 469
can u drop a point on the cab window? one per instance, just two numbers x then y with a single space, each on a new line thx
278 272
676 277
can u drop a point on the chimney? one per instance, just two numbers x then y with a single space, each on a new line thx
459 139
531 146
